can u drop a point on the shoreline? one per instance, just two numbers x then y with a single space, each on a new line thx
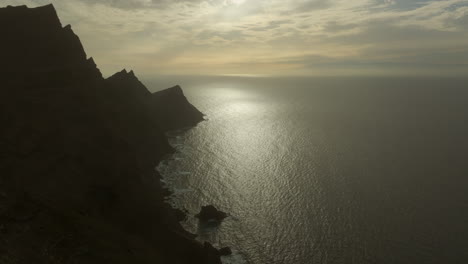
174 199
77 175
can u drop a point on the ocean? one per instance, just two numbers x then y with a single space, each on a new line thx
326 170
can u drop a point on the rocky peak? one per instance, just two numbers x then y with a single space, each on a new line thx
174 91
179 113
128 84
44 16
36 44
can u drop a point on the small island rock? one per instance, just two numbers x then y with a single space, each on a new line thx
210 212
225 251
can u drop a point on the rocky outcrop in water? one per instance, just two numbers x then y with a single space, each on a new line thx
77 154
225 251
210 213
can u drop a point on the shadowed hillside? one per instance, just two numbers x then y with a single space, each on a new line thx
77 179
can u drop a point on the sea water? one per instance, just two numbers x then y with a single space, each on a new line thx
326 170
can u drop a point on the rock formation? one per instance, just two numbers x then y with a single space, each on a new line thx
77 154
225 251
187 114
210 213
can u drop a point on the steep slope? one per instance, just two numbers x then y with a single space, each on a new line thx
77 155
38 45
179 113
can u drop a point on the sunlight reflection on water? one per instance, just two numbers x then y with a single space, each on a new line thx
329 175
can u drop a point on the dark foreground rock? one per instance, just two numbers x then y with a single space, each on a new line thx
210 213
77 154
225 251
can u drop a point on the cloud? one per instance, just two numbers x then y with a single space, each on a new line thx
311 5
138 4
205 36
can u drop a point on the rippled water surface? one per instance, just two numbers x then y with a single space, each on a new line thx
327 170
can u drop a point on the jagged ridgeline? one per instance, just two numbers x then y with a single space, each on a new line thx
77 179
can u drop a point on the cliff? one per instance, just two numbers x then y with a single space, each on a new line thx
187 114
77 179
38 45
169 108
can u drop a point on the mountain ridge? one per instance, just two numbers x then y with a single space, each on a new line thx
77 179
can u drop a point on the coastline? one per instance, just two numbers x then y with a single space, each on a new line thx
78 156
178 182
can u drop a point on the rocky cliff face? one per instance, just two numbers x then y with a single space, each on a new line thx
77 154
38 45
187 114
169 108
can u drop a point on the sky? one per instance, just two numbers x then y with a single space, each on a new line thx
270 37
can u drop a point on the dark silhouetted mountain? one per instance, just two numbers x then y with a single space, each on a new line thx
34 43
186 114
77 154
127 84
169 107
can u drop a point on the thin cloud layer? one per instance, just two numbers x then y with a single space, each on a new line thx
275 37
